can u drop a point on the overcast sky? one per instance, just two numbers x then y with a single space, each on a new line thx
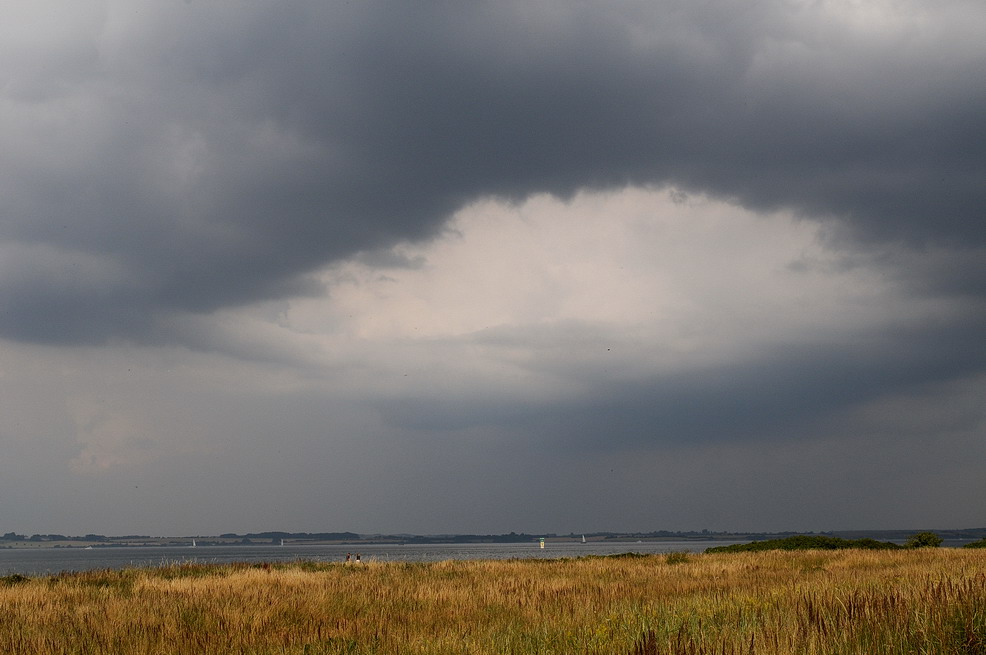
542 266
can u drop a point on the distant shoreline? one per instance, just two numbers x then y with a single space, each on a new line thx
16 541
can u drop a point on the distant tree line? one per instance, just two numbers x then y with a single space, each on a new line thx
13 536
509 538
296 536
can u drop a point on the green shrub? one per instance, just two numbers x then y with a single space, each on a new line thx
11 580
630 555
923 540
676 557
976 544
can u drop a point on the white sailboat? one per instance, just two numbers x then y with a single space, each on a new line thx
193 543
583 538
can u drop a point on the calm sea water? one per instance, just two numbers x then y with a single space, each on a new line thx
41 561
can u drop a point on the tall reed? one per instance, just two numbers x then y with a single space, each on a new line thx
918 601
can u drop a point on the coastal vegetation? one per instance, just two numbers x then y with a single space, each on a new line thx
925 539
805 542
847 601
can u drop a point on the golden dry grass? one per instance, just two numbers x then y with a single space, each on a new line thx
918 601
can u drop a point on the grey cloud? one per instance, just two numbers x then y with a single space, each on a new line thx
218 152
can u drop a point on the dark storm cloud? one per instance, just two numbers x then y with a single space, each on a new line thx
771 395
217 152
780 394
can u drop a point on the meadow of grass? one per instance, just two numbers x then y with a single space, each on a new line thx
930 600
